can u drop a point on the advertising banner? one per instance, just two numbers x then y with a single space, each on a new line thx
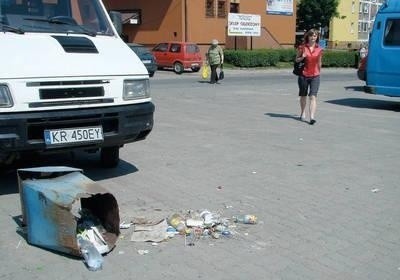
280 7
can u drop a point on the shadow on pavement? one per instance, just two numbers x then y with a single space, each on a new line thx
284 116
89 163
367 103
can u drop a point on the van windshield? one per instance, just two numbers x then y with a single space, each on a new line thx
54 16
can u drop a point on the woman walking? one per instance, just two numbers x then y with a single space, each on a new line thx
311 53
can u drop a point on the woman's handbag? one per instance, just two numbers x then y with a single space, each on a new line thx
221 73
298 67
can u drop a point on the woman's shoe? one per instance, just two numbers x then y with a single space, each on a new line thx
312 121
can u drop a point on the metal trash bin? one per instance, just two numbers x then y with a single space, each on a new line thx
51 198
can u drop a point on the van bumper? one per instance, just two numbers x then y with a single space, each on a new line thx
24 132
387 91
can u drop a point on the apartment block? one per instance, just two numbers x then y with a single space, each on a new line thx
355 21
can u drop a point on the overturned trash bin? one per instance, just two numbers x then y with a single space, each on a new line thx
52 202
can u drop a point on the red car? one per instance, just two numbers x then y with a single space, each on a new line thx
361 68
178 55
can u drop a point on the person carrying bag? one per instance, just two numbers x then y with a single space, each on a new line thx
215 57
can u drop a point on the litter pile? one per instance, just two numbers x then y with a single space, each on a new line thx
193 225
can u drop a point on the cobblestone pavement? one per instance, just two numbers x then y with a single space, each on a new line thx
326 196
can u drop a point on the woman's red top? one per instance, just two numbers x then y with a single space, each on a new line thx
311 68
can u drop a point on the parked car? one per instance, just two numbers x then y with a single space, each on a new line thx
361 68
146 57
178 55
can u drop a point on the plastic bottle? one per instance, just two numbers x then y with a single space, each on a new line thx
245 219
93 259
178 223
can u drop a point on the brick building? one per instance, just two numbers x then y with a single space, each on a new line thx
152 21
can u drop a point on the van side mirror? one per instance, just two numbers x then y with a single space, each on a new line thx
116 18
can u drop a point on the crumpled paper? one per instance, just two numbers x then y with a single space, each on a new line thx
150 232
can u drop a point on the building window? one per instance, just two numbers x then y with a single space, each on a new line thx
352 28
366 8
352 7
221 9
234 8
210 8
360 8
365 27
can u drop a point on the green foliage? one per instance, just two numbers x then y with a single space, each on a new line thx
278 57
339 59
253 58
287 55
316 13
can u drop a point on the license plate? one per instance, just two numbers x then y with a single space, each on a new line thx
73 135
146 61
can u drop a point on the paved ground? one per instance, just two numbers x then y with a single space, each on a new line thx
326 196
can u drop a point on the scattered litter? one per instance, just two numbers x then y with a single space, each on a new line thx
121 252
19 243
93 258
254 172
125 225
193 226
219 187
245 219
194 223
375 190
153 232
143 252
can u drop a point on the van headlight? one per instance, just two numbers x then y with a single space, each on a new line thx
136 89
5 97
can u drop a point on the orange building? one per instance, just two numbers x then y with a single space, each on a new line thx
152 21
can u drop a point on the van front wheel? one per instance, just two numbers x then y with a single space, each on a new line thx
178 68
109 157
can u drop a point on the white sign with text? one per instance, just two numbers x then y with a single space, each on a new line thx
244 25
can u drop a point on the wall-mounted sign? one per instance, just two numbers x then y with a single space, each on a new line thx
131 16
244 25
280 7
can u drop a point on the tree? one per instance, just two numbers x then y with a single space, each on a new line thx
316 13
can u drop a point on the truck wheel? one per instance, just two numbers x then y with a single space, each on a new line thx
109 157
178 68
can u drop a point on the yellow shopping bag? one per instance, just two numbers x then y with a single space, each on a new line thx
205 71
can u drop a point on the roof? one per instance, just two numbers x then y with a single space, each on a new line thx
391 6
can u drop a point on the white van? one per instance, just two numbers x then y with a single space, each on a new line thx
68 81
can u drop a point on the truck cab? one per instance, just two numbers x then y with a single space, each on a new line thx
65 83
383 61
